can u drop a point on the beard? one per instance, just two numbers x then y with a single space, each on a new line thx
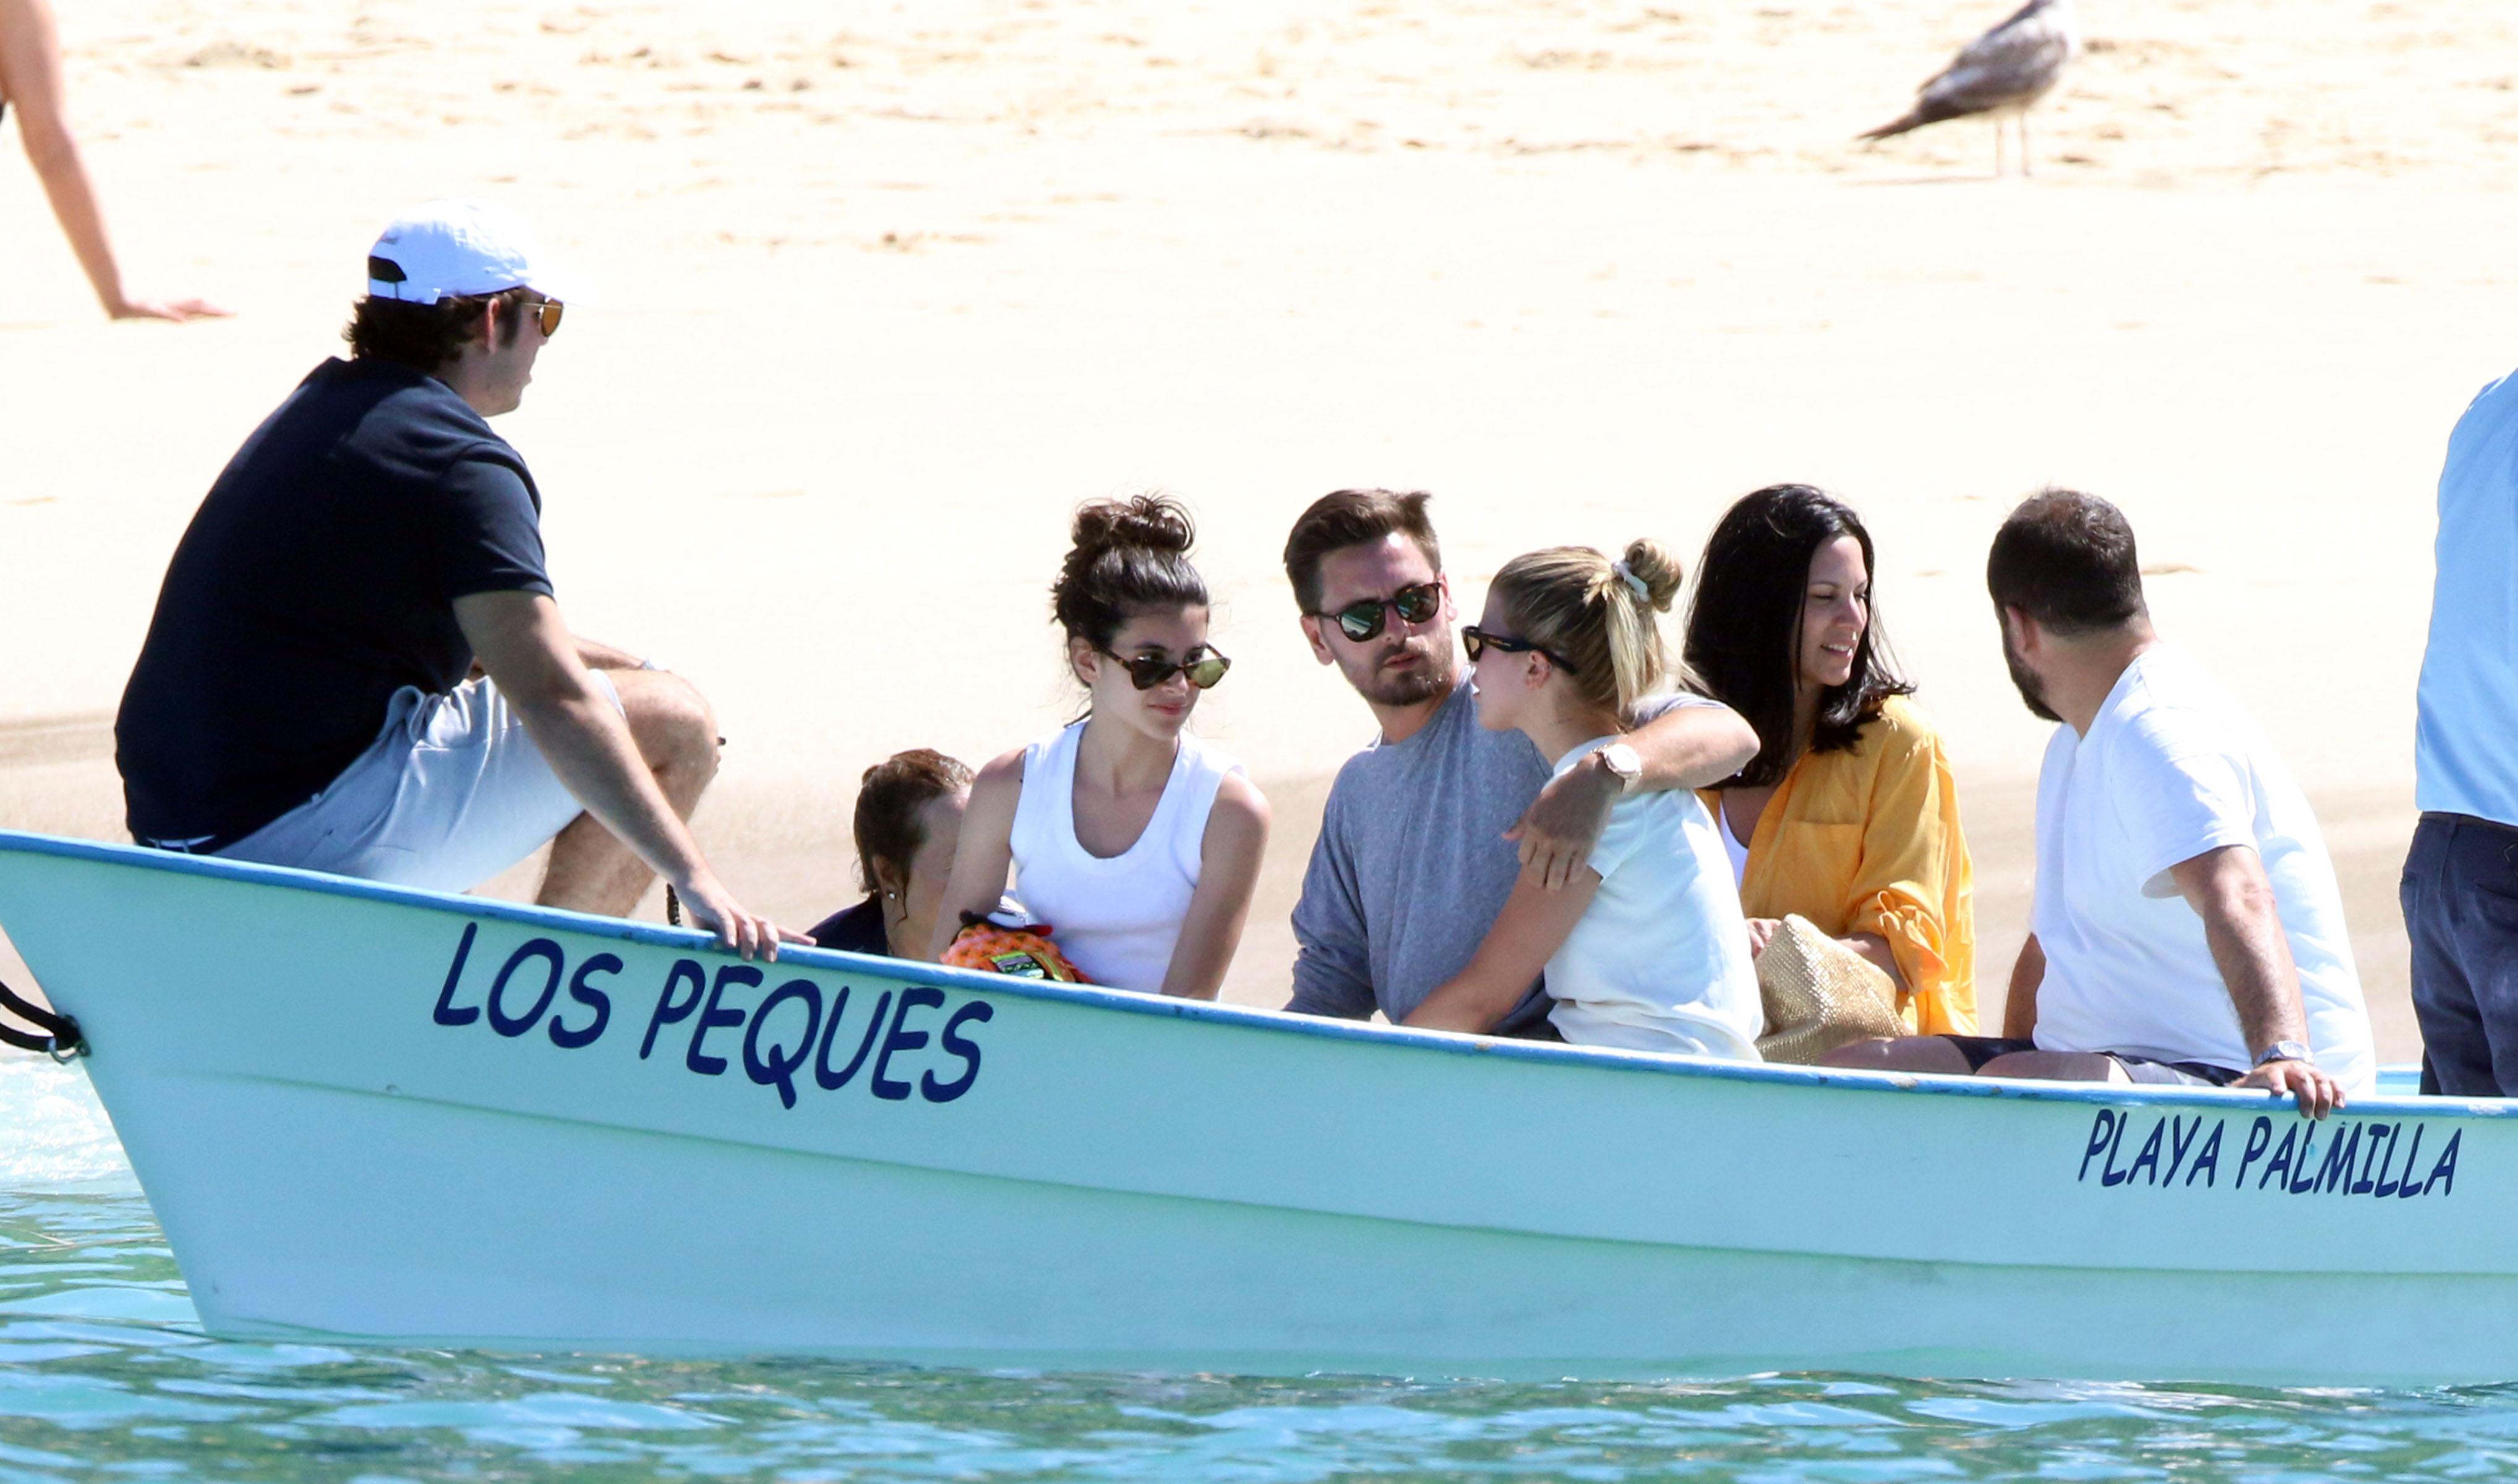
2032 691
1422 682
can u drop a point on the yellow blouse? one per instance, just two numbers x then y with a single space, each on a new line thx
1868 841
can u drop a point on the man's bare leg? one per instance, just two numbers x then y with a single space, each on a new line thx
2057 1066
592 872
1905 1053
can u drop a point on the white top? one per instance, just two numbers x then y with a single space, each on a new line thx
1734 846
1660 961
1115 918
2173 767
2463 762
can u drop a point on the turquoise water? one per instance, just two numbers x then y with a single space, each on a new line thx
105 1374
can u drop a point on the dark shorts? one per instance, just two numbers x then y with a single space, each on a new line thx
2461 898
1979 1049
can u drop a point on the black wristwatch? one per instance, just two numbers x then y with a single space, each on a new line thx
2286 1051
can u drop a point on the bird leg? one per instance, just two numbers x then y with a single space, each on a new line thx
2027 165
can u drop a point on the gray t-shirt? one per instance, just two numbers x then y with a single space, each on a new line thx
1412 867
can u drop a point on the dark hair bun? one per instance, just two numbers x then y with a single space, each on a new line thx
1658 570
1129 555
1145 522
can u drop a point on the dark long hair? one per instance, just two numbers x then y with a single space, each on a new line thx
1744 625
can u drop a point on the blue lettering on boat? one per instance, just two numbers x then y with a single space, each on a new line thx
542 949
2340 1156
916 996
2207 1165
832 1081
592 998
800 1026
717 1017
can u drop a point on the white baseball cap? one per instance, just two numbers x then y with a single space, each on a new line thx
453 248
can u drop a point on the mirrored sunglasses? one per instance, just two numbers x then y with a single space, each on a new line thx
1366 617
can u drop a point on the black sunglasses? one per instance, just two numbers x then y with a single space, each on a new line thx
1363 617
1204 667
1477 641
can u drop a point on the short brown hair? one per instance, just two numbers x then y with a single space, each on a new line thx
2066 559
1351 518
426 336
888 804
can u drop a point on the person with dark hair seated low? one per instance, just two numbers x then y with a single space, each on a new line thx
908 822
2187 927
1848 814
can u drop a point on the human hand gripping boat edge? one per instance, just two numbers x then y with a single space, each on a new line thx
366 1114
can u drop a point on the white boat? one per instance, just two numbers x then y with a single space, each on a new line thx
366 1114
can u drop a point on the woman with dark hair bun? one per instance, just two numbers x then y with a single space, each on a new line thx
908 819
1848 814
1135 842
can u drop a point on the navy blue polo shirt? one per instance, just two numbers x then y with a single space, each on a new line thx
318 578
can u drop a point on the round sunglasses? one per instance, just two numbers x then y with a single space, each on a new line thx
1204 667
1365 617
1478 641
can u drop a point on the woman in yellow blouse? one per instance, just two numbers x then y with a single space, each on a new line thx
1847 814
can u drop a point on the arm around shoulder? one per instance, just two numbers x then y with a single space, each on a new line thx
1693 744
1228 876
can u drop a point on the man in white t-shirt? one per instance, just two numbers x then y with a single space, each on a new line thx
2188 928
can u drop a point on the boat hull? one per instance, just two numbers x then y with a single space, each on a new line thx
372 1115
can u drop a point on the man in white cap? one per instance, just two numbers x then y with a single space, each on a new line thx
355 664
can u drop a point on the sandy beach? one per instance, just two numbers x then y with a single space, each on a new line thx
877 305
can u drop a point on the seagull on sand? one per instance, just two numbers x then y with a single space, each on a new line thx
2001 73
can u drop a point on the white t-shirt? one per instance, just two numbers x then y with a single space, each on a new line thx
1116 917
1660 960
2172 767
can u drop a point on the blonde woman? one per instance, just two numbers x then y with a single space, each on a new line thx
1647 948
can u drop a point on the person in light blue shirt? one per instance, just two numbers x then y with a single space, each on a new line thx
2460 885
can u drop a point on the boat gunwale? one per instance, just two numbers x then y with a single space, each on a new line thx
972 981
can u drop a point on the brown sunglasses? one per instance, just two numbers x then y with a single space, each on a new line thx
548 312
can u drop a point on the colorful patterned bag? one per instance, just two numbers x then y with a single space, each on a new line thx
1025 953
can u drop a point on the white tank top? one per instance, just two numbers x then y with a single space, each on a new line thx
1115 918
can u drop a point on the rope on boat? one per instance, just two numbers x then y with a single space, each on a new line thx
673 905
61 1039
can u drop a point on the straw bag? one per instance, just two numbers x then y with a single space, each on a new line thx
1820 995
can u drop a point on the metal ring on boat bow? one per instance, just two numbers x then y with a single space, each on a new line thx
62 1041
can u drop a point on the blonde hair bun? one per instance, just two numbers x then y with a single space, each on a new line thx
1657 570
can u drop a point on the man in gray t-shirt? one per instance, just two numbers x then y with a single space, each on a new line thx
1428 827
